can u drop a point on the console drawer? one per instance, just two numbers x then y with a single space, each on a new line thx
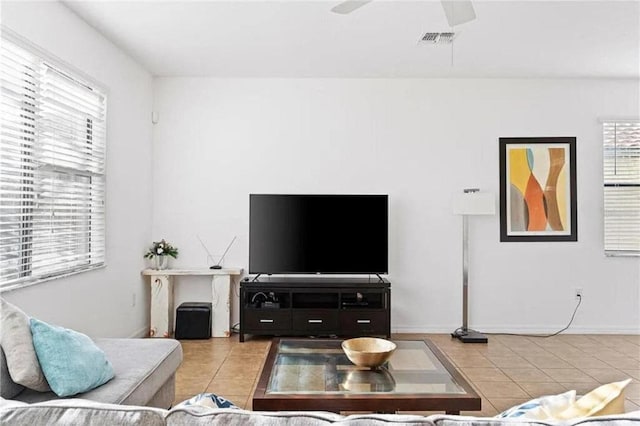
267 319
363 322
315 320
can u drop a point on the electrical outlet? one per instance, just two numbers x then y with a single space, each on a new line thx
578 293
133 299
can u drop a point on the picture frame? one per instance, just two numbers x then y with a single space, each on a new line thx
538 189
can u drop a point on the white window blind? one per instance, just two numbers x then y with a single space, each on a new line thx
52 169
622 187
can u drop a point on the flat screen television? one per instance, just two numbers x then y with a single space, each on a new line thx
318 234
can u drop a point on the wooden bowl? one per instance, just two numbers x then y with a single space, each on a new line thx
368 351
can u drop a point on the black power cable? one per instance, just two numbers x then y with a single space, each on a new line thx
542 335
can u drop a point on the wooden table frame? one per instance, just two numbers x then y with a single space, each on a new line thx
383 402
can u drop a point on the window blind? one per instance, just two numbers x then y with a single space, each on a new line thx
621 187
52 169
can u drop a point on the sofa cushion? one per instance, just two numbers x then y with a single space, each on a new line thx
73 412
195 415
628 419
15 339
8 388
81 412
71 362
141 366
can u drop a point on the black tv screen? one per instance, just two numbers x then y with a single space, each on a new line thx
318 234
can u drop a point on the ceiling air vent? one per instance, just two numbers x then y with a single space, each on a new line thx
438 38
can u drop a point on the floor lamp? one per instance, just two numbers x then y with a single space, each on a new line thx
470 203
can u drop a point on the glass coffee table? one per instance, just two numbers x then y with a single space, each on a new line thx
315 374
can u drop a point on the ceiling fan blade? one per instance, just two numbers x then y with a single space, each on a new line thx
348 6
458 11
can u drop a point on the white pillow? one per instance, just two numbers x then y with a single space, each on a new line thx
16 341
545 407
604 400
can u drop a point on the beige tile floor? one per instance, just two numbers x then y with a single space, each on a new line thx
506 371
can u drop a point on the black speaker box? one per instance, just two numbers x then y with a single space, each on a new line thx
193 321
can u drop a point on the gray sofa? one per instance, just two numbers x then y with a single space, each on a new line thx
83 412
144 375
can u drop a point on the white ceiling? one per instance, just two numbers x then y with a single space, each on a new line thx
304 39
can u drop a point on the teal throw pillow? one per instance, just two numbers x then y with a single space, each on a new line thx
70 361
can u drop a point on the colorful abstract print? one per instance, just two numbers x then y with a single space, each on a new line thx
538 191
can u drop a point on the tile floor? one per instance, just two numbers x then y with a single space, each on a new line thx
506 371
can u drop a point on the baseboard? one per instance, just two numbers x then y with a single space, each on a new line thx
143 332
441 329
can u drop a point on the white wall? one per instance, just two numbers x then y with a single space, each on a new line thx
420 141
100 302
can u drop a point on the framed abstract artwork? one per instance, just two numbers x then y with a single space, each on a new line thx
538 189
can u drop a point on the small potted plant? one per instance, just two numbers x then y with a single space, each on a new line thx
160 252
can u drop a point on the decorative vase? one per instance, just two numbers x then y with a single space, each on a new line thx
162 262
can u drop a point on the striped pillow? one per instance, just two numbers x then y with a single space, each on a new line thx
207 400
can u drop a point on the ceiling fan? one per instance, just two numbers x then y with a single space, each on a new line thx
457 11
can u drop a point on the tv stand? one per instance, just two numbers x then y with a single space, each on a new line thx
315 306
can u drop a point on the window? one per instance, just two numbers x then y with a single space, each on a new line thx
52 168
622 187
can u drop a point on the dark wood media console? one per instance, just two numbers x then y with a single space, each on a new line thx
315 307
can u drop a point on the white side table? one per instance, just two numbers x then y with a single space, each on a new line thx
162 309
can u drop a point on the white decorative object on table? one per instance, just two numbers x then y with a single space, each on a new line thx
160 252
162 309
161 262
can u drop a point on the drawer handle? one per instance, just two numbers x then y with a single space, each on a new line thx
363 321
266 320
312 321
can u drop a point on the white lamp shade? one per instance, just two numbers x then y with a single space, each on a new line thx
474 203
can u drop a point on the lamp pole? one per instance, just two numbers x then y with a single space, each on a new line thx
465 273
464 333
